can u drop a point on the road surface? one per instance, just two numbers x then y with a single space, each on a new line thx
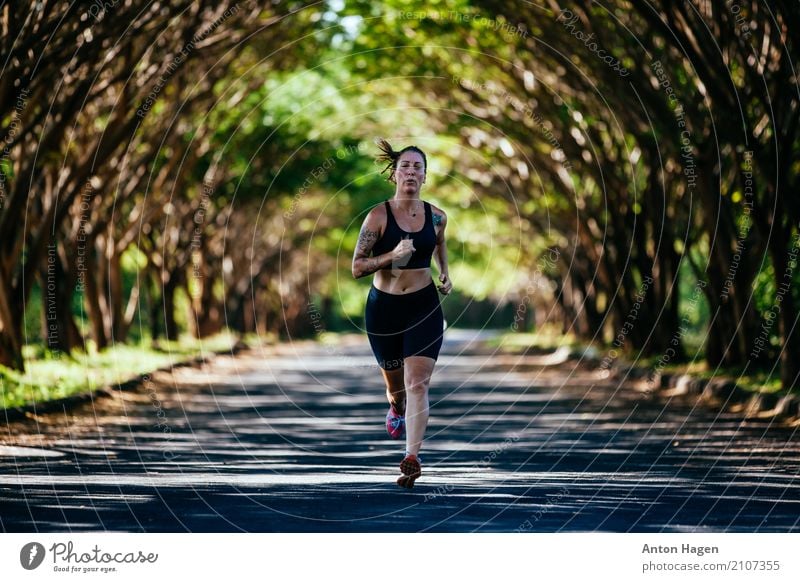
292 439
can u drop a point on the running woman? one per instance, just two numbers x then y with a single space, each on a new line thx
403 316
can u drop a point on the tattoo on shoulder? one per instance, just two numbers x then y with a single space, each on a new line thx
366 240
437 219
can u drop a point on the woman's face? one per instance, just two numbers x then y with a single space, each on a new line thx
410 172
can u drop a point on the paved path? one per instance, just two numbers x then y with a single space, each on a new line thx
293 440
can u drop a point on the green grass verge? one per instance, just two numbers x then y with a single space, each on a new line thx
545 340
50 376
754 381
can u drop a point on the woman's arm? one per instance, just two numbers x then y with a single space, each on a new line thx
440 252
363 264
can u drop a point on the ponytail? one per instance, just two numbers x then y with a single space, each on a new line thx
387 155
392 156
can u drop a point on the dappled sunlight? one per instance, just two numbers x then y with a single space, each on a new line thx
296 443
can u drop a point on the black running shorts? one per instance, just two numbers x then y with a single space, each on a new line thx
405 325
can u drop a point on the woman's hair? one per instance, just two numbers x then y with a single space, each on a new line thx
389 155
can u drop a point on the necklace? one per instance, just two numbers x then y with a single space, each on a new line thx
414 213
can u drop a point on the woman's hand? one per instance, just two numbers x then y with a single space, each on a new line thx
446 285
403 250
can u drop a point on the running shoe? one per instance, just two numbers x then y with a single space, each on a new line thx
410 469
395 424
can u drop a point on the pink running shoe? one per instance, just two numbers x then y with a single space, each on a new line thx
411 471
395 423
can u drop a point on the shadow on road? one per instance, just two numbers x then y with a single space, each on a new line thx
293 440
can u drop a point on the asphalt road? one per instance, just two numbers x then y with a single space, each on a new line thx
293 440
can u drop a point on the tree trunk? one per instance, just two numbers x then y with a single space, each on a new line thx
168 290
787 310
154 305
11 332
10 354
92 299
59 329
726 336
115 291
205 312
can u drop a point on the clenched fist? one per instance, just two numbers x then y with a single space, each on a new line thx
403 250
446 285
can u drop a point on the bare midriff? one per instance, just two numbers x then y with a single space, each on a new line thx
402 281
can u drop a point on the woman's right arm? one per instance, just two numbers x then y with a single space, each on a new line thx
363 264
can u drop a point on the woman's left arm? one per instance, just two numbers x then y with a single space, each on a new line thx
440 252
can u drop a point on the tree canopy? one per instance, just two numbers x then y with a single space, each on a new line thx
623 173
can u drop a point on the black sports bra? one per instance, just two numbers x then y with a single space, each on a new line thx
424 241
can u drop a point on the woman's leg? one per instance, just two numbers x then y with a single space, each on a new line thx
422 341
418 371
395 388
385 336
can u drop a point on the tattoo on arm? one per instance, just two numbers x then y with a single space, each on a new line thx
438 220
366 240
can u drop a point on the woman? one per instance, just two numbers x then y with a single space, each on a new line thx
403 316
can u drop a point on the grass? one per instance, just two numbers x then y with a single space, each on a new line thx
753 381
50 376
545 339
